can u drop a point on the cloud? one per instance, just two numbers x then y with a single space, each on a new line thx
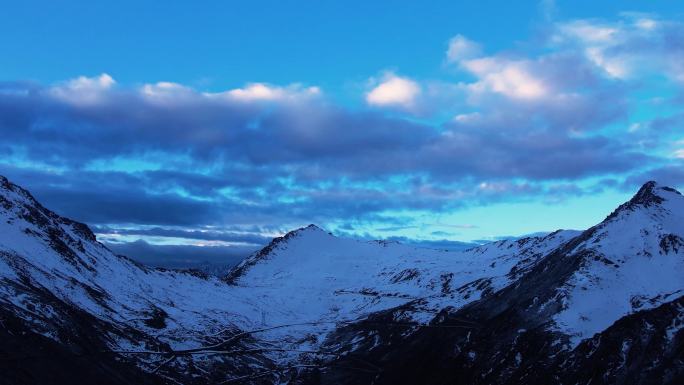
245 237
646 24
589 32
596 39
394 91
461 48
441 244
181 256
243 146
629 47
167 92
669 175
83 90
511 78
265 92
167 160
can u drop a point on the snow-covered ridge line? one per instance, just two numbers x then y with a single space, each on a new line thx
578 283
259 255
634 260
650 194
602 307
40 248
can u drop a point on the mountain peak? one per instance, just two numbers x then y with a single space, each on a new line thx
651 194
7 187
4 182
17 202
266 251
311 228
647 194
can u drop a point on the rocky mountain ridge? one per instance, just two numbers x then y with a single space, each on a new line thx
602 305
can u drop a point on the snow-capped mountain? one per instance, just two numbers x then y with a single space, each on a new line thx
605 307
349 278
631 261
314 308
65 291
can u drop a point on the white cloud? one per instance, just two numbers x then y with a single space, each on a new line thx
104 81
512 78
615 66
253 92
595 39
461 48
635 45
164 89
161 88
88 91
167 92
679 154
589 32
265 92
622 49
83 90
646 24
394 91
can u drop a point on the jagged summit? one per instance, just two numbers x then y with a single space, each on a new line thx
9 190
306 230
650 195
309 228
312 227
20 208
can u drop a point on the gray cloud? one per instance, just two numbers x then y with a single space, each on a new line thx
669 175
311 141
181 256
226 162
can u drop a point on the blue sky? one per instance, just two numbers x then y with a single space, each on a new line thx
176 125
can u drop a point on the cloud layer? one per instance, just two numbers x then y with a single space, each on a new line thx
168 160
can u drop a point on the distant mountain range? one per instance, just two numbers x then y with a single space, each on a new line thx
605 305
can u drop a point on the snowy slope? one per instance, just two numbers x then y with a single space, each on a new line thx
310 274
307 276
307 287
607 306
635 261
41 252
